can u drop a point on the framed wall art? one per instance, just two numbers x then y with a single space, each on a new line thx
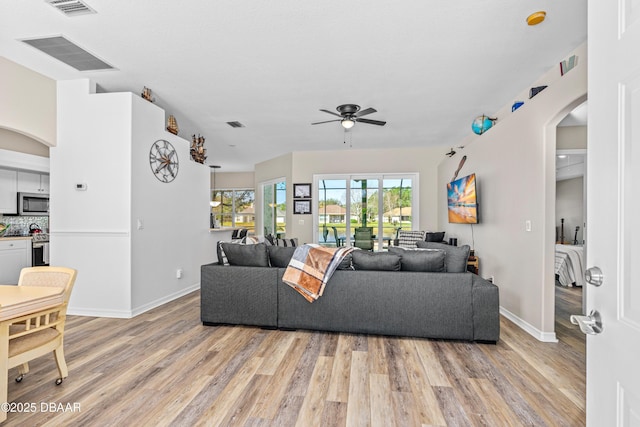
302 207
301 191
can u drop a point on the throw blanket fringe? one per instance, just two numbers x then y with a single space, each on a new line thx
311 267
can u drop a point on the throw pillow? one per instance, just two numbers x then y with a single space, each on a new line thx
425 260
251 240
455 257
279 256
222 257
346 263
381 261
408 239
287 242
437 236
246 255
269 239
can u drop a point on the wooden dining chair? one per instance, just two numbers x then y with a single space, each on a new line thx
34 335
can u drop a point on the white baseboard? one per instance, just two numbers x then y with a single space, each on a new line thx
153 304
528 328
127 314
99 312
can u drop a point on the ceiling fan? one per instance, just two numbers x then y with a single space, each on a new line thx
350 114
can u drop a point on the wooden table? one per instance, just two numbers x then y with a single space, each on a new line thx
16 301
473 264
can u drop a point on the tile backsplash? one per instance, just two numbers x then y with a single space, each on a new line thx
20 225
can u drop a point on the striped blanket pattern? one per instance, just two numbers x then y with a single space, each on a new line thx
311 267
569 265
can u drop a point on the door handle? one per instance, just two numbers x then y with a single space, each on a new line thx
594 276
589 325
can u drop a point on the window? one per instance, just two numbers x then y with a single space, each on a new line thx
348 202
234 208
274 207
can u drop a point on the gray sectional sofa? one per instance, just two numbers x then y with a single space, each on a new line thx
443 305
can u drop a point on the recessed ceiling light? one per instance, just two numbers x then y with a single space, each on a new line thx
536 17
562 156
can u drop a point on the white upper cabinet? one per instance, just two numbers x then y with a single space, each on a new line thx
29 182
8 191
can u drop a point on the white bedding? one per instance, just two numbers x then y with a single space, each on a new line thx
569 267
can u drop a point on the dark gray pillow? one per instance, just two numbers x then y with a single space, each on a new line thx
384 261
279 256
455 258
425 260
246 255
437 236
346 262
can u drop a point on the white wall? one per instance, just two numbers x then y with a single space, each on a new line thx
233 180
515 166
104 142
175 216
14 141
570 206
571 137
90 230
28 102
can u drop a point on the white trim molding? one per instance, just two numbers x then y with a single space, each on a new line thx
528 328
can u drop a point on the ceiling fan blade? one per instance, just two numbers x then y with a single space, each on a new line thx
328 121
331 112
371 122
365 112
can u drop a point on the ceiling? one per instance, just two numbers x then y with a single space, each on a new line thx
428 68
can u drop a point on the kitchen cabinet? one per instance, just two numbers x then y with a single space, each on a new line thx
15 254
8 191
30 182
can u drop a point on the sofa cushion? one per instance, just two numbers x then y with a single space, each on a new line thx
408 239
279 256
436 236
365 260
417 259
246 255
455 258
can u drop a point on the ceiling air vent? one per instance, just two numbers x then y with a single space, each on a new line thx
71 7
71 54
235 124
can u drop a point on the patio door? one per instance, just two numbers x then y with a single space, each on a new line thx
382 202
274 207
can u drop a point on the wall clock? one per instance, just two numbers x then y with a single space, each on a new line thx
163 160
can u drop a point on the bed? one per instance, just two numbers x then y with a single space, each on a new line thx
569 267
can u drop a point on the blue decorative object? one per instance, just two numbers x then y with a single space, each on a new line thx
481 124
516 105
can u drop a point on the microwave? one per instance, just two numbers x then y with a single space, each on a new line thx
33 204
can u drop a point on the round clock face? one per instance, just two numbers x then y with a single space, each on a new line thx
163 160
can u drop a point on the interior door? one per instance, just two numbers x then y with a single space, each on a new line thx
613 203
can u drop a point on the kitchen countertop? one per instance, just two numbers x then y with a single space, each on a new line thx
15 238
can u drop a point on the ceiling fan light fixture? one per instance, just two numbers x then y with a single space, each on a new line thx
347 123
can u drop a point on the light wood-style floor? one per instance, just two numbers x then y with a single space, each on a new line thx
165 368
